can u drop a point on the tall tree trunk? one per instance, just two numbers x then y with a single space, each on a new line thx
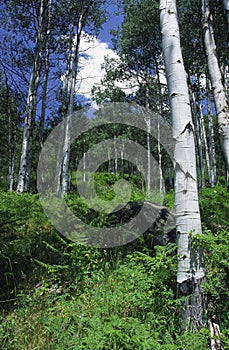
84 167
148 158
12 159
190 264
122 156
72 86
204 138
215 75
161 184
12 138
148 127
26 153
46 76
115 156
211 138
197 135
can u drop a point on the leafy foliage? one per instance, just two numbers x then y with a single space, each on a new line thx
56 294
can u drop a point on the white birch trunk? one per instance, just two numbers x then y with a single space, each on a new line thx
84 167
197 136
161 182
162 189
46 76
211 139
109 162
26 153
204 138
122 156
215 75
115 156
148 126
215 336
148 158
12 161
12 140
74 67
190 265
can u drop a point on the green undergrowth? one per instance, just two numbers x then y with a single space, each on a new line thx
57 294
131 307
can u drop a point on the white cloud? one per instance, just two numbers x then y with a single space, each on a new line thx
92 53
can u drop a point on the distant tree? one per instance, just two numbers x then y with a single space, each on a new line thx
26 154
85 14
216 77
10 133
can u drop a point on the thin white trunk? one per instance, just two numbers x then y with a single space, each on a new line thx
215 75
84 167
190 265
201 160
73 75
115 156
12 140
109 162
12 161
211 139
197 136
161 183
215 335
148 127
46 76
148 159
26 153
66 152
162 189
122 156
204 138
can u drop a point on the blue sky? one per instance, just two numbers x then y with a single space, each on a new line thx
91 72
112 23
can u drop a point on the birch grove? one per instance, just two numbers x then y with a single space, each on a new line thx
190 265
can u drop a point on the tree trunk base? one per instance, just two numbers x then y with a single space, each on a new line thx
215 334
194 306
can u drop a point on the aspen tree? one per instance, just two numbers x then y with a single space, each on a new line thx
26 153
216 78
190 263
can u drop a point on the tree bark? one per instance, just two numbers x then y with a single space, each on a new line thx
212 157
190 262
115 156
204 138
197 135
219 91
26 154
46 76
72 85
